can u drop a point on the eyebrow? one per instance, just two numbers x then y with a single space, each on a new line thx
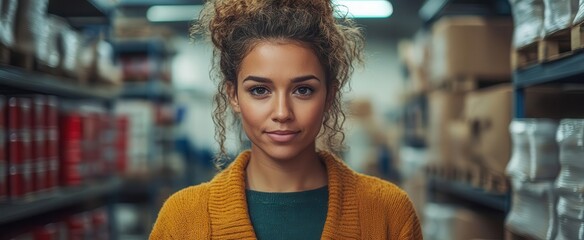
294 80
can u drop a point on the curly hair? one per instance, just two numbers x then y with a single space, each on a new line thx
236 26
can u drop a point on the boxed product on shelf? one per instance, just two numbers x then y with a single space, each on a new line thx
70 137
535 151
447 221
52 142
559 15
48 55
7 19
528 16
580 14
471 46
415 55
86 58
19 147
533 213
39 154
140 135
107 72
30 19
489 113
458 134
70 44
3 160
443 108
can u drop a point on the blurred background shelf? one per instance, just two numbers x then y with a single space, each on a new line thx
467 192
155 90
566 70
432 10
13 80
81 13
62 198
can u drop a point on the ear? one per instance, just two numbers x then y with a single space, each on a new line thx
232 94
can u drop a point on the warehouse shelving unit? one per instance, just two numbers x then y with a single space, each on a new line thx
455 190
91 17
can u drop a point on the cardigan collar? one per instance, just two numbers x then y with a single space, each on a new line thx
228 210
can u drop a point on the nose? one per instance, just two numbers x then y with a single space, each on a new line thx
282 109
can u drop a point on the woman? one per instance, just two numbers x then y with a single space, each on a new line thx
282 65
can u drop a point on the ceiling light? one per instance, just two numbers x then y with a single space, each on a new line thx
173 13
350 8
364 8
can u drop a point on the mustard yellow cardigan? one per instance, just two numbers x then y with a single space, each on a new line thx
360 207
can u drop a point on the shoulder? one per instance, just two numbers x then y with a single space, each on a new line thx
188 198
376 189
382 196
187 207
384 202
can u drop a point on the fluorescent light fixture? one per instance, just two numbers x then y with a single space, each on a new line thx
364 8
351 8
173 13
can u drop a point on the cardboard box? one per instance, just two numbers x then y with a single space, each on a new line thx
444 108
466 46
488 113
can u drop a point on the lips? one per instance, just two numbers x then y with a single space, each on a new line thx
282 136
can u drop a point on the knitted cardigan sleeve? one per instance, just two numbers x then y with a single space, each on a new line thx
184 215
411 229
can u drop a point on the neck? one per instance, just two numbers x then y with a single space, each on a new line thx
300 173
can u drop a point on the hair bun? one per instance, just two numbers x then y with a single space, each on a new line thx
219 16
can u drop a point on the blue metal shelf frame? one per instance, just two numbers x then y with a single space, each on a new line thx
500 202
568 70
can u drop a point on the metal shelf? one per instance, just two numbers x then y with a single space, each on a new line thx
148 90
566 70
432 10
20 79
64 197
81 13
475 195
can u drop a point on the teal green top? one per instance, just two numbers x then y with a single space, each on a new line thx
295 215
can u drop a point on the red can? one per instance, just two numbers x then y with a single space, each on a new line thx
122 127
3 162
47 232
79 226
52 141
19 147
100 224
70 142
39 155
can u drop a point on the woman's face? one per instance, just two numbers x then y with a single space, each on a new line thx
281 97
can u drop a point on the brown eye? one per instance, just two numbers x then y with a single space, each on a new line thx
259 91
305 91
